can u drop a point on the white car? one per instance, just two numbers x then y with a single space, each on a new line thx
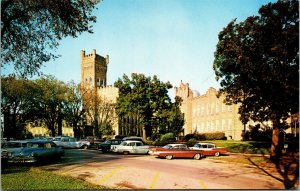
131 147
70 143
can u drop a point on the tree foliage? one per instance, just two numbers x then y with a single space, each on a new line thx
31 29
100 111
15 95
73 107
47 103
257 62
148 99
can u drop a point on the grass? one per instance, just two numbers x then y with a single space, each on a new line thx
249 147
243 160
27 178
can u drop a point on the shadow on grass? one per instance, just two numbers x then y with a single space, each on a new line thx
287 167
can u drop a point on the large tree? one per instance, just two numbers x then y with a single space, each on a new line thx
99 111
147 100
257 62
31 29
73 107
48 102
15 96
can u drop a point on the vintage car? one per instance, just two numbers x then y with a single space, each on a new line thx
71 143
210 149
36 151
131 147
10 146
134 138
94 141
175 151
105 147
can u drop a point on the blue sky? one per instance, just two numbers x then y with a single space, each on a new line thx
173 39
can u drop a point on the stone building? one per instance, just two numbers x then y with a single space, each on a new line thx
207 113
94 76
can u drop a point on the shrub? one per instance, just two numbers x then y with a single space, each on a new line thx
191 142
189 136
167 137
215 136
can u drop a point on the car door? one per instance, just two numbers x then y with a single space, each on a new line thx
141 148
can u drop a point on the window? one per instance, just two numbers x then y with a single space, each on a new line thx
139 144
212 109
207 109
217 125
47 145
229 124
223 124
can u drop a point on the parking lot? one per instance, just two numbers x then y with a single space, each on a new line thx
147 172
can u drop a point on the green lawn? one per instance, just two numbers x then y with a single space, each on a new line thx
251 147
26 178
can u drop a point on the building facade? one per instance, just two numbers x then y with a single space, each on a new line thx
206 113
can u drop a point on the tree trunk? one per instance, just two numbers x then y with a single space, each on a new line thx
59 125
144 134
75 130
276 146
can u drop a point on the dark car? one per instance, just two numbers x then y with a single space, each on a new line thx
105 147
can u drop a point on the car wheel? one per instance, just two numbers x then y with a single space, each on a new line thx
125 152
84 146
169 157
217 154
197 156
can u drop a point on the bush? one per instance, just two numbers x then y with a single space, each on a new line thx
206 136
215 136
189 136
191 142
167 137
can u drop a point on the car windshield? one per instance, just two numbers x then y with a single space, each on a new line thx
123 144
107 142
167 146
14 145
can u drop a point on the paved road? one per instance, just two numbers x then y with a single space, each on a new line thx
147 172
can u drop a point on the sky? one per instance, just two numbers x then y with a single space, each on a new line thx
173 39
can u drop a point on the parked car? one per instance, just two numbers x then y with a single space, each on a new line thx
131 147
36 151
134 138
9 146
70 142
94 141
105 147
170 151
210 149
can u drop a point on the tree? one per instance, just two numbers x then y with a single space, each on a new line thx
73 107
145 98
15 95
31 29
47 103
99 110
257 62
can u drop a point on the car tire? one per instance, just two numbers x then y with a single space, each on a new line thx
84 147
125 152
169 157
197 156
217 154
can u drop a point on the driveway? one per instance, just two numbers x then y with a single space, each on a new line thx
147 172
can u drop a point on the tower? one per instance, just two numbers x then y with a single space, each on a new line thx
93 69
